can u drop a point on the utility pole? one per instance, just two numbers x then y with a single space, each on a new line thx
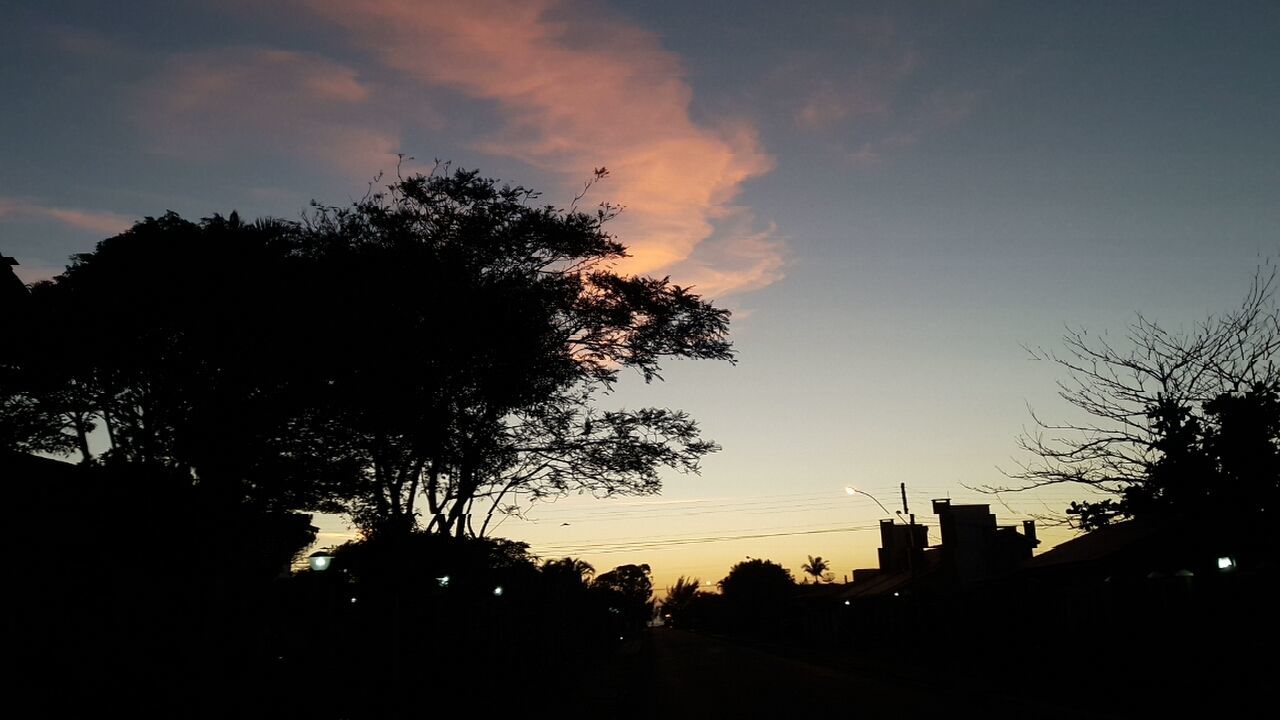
911 532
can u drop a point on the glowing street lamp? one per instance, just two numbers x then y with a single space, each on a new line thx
320 560
850 490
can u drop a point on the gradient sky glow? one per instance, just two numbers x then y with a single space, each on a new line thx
894 198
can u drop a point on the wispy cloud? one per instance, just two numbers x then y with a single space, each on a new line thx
575 94
741 258
254 101
871 99
936 112
98 222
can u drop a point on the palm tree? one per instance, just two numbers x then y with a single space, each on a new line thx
571 571
816 567
679 597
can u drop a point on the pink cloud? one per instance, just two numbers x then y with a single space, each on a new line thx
255 101
938 111
576 94
739 260
95 221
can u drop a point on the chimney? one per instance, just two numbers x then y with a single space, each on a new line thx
1029 530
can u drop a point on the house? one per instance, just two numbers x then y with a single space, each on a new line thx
973 548
921 591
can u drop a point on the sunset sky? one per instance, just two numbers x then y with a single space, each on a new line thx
893 198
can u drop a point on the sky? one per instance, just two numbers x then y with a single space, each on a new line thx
895 199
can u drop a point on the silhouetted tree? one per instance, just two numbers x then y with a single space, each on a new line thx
756 577
40 410
443 340
816 567
185 342
1180 422
569 571
678 600
756 593
628 589
506 321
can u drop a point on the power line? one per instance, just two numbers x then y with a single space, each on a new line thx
669 536
611 548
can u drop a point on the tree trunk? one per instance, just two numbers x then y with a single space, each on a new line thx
82 437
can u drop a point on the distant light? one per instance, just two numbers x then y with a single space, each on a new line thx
1226 563
443 581
895 594
353 600
497 590
846 602
621 638
319 561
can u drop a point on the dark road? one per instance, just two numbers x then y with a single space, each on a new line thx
677 674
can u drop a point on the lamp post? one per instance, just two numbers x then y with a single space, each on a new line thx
909 519
320 560
850 490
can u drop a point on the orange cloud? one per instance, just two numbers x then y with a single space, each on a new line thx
579 93
95 221
739 259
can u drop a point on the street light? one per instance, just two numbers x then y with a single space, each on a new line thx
850 490
320 560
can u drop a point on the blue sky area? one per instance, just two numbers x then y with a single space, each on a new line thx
894 198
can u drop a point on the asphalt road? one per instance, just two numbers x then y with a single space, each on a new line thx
672 674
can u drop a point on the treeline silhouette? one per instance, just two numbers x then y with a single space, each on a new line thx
145 593
426 360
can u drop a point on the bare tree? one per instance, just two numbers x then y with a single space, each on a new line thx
1148 400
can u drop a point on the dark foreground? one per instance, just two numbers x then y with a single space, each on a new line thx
676 674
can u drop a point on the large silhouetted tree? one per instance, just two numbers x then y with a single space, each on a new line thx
184 342
628 589
471 332
756 578
1177 422
445 340
38 412
756 593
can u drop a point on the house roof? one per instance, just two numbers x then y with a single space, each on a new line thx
877 586
1097 545
1163 544
925 575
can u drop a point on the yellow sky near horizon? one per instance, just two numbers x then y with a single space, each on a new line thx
702 537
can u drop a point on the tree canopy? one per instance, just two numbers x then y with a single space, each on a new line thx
628 589
679 599
444 340
1178 422
757 581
